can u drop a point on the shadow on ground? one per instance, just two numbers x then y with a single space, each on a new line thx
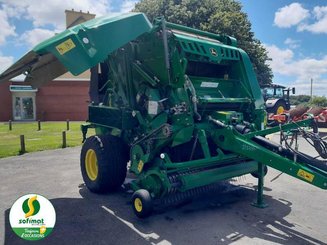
215 218
322 134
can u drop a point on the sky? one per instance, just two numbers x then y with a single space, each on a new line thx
293 32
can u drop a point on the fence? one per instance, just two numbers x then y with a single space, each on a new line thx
21 137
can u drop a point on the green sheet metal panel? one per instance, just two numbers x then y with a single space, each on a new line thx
111 117
214 50
78 48
85 45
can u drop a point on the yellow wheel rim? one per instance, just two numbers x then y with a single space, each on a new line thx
280 109
91 164
138 204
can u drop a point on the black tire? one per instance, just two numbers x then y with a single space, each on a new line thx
274 109
142 203
280 103
256 174
111 157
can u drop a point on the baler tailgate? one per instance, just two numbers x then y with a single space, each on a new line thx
78 48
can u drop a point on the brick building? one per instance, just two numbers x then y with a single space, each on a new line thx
63 98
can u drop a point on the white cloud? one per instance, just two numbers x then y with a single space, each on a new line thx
35 36
279 58
304 87
11 11
127 6
52 12
293 44
6 29
290 15
295 15
284 63
320 24
5 62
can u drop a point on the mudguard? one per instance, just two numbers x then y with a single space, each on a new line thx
270 103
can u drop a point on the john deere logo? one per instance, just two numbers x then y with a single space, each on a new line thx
32 217
31 206
213 52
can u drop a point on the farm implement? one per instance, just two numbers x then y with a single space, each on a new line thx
177 107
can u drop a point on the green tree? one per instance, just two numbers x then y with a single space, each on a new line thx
299 99
217 16
306 100
319 101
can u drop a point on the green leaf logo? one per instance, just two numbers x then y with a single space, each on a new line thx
31 206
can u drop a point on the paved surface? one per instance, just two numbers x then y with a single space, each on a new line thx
297 212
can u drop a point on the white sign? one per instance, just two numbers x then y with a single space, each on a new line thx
209 85
153 107
32 217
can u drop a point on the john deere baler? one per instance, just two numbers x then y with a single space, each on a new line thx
179 108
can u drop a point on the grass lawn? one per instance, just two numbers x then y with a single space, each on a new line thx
50 136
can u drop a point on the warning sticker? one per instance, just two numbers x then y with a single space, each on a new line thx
305 175
65 46
140 166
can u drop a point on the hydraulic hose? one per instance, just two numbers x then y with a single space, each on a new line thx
189 85
300 156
